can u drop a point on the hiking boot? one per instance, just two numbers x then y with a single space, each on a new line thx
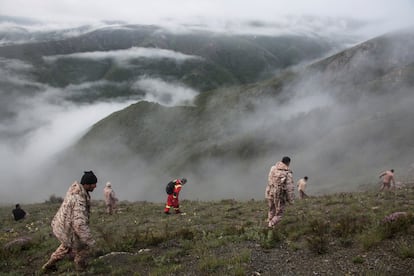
167 213
177 211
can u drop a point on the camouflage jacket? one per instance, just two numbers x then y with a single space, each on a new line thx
110 198
280 183
301 185
387 177
71 222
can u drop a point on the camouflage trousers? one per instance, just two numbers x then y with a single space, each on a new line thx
302 194
110 209
386 186
276 209
79 256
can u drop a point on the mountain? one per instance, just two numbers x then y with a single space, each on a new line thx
342 119
119 63
217 59
376 65
55 84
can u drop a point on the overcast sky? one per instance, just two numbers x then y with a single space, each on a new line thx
396 12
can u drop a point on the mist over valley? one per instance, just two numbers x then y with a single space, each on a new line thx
140 104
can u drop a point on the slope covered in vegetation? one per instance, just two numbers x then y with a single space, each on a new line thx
337 234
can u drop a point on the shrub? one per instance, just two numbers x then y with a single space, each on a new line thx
185 234
317 240
358 260
210 264
401 224
348 224
269 238
54 199
317 244
405 250
370 238
230 230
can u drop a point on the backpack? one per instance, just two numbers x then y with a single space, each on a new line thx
170 187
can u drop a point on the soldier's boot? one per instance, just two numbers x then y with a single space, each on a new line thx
80 266
49 266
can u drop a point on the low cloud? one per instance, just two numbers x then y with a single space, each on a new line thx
229 16
165 93
39 121
126 56
44 127
22 31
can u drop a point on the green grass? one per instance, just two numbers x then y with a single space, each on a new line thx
214 238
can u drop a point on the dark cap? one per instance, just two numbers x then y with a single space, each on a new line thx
286 160
89 178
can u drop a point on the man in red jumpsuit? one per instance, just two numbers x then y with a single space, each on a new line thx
172 200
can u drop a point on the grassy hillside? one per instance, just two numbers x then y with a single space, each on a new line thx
378 66
337 234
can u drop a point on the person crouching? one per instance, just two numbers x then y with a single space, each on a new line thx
172 199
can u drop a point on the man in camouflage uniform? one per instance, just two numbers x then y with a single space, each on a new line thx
110 198
387 179
71 224
280 190
302 187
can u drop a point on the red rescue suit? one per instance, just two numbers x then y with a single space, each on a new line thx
172 200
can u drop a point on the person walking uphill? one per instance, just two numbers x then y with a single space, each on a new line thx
387 179
279 190
173 193
70 225
110 198
302 186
